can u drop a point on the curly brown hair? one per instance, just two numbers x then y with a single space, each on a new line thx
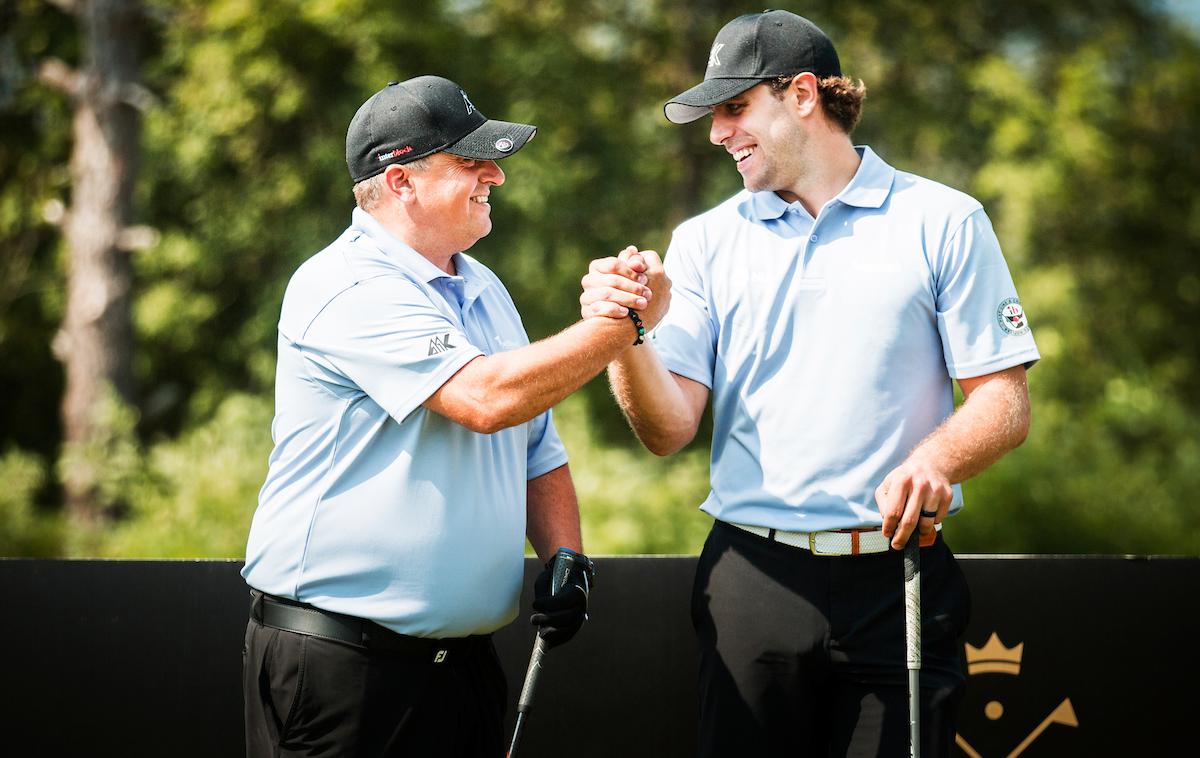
841 97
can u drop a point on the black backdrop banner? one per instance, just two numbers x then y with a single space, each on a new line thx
1067 656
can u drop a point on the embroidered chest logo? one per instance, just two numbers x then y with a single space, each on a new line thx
1012 318
714 59
440 344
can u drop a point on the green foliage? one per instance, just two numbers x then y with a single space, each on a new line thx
1075 124
111 459
196 494
34 145
631 501
24 529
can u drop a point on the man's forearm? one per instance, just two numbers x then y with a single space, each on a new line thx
552 513
509 388
662 414
993 420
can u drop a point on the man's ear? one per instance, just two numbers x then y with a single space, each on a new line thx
397 181
804 93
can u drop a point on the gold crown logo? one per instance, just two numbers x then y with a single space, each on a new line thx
994 658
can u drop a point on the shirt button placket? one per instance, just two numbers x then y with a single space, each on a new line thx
808 255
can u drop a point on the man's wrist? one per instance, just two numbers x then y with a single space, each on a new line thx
637 323
611 332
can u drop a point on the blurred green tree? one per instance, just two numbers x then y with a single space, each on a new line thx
1075 124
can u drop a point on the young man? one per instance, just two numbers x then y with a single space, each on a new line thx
414 451
826 310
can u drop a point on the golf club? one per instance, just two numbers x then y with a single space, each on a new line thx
563 561
912 637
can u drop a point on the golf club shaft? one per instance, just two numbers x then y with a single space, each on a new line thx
512 748
912 638
525 702
562 568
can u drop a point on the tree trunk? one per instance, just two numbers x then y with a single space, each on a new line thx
95 342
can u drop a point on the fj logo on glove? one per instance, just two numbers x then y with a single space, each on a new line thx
440 344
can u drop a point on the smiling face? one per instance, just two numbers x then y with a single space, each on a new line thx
452 199
763 134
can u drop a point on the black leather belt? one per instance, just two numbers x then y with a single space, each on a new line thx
302 618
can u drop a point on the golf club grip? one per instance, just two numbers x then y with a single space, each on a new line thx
912 601
525 702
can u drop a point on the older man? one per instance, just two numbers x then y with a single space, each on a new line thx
827 310
414 452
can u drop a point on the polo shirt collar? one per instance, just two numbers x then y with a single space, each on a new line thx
394 248
869 188
473 280
767 206
872 183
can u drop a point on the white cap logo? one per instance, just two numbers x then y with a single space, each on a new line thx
504 144
713 56
470 107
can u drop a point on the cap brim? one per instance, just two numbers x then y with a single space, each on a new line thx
493 140
695 103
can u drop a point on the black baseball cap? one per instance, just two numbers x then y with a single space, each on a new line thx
751 49
406 121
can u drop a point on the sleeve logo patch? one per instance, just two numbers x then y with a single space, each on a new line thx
1012 318
440 345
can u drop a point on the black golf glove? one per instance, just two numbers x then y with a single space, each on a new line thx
560 615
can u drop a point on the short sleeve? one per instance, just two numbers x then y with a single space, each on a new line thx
982 323
686 338
545 451
390 338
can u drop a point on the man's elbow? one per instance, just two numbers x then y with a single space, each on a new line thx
1021 419
663 442
1022 431
480 409
492 414
484 422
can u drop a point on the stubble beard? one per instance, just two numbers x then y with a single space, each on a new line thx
784 171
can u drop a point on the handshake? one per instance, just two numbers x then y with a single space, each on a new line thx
632 280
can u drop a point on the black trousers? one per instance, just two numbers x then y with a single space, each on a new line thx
308 696
804 655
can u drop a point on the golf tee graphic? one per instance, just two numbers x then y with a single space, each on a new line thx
1022 717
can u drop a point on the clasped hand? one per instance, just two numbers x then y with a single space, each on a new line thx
632 280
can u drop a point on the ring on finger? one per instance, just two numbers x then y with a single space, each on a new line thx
928 514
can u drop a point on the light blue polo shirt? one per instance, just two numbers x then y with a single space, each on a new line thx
373 505
829 344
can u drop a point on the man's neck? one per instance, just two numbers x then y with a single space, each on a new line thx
410 234
832 168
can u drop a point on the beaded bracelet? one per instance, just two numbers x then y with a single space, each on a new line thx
641 329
